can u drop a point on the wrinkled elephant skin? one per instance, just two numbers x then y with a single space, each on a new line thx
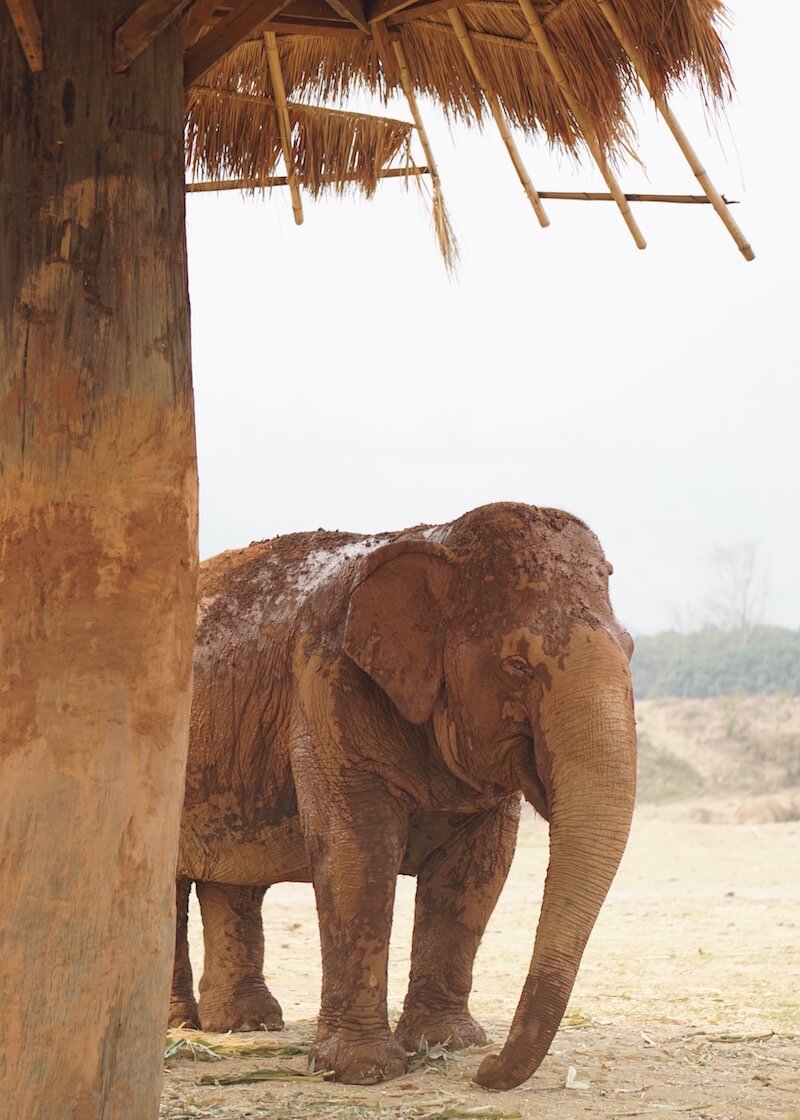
368 706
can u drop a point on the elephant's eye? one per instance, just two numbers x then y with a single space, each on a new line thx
517 666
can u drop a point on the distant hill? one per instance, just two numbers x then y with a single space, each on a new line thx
713 662
742 744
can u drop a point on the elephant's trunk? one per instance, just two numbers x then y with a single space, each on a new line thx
585 744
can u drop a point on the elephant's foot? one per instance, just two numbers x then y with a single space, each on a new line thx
183 1013
363 1060
456 1028
252 1007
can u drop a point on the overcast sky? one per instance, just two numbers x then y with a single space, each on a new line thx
343 380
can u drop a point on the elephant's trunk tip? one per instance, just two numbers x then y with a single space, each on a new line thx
492 1074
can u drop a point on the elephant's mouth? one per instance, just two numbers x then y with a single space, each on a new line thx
519 750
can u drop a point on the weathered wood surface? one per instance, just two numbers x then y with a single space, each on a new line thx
142 26
246 18
97 562
29 30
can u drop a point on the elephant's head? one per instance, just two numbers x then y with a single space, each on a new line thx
499 629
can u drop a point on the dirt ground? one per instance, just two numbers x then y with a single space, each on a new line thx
687 1003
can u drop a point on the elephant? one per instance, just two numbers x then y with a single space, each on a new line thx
365 707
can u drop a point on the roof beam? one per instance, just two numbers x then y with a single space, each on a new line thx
311 10
385 52
353 11
333 28
427 8
29 32
141 27
383 9
195 21
247 17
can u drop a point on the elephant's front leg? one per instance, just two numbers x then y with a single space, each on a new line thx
457 888
233 995
355 838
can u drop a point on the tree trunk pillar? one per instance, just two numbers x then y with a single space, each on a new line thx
98 560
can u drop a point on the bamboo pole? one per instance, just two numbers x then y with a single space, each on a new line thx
283 180
271 181
598 196
440 219
462 34
557 70
711 192
284 124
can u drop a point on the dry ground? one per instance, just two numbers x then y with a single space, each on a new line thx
687 1004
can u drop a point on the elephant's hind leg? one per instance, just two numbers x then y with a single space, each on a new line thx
457 889
233 995
182 1004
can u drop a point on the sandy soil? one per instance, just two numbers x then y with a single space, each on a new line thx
687 1004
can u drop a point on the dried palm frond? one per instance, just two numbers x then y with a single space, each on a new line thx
237 135
678 39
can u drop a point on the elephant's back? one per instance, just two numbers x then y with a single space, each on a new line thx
247 593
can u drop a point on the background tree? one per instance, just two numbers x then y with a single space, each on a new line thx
739 598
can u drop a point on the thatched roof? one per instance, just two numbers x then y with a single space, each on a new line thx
238 136
268 77
324 57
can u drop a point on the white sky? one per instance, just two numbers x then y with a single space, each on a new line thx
343 380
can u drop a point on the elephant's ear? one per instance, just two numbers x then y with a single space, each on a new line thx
395 626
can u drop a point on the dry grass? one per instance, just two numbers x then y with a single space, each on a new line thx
678 40
237 135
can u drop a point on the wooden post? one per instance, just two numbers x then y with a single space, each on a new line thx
460 28
440 219
284 124
711 192
98 562
557 70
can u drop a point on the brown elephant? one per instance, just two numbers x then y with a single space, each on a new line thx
368 706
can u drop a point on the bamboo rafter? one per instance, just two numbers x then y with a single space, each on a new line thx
460 28
270 181
29 32
601 196
711 192
284 124
557 70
